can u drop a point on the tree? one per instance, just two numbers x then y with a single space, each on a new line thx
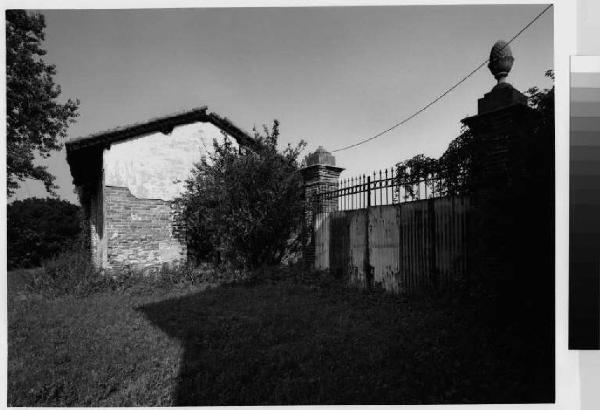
36 121
39 229
244 206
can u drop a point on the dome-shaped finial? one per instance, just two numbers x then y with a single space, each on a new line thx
320 157
501 60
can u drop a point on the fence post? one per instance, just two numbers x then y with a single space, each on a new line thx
368 190
367 264
319 175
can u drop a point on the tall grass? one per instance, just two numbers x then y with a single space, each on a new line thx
71 272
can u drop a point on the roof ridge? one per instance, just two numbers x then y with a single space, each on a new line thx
164 123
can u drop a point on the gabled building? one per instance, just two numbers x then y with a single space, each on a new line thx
127 178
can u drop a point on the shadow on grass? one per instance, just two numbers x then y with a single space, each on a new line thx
289 344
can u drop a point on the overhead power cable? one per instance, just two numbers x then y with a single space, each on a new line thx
448 91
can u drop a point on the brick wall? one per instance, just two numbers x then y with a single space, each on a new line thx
140 232
317 178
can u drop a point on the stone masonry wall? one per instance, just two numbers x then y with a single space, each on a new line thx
140 232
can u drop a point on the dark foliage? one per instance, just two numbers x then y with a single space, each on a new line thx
36 121
39 229
244 207
533 208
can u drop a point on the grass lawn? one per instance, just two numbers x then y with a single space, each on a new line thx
277 343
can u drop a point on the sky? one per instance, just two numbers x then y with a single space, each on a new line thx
332 76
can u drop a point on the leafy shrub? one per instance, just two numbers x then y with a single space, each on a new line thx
40 229
244 207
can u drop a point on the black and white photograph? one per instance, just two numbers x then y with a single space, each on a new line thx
309 205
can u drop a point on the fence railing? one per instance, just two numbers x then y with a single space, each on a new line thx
379 188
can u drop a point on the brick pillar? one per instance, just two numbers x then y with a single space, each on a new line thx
319 175
501 130
502 123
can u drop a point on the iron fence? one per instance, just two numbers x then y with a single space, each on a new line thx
380 188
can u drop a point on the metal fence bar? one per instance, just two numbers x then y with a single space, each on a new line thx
362 191
368 191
